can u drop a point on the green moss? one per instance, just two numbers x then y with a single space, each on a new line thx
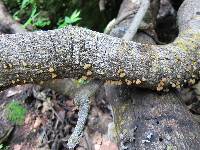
120 119
190 43
181 44
15 112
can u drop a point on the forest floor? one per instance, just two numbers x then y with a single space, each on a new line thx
49 121
36 118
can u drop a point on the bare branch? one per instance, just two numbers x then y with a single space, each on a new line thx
82 100
135 24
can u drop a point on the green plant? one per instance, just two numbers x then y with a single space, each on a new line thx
74 18
15 112
32 17
23 5
37 17
2 147
81 81
52 14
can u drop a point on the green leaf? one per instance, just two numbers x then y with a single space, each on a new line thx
75 14
42 22
32 17
25 3
62 25
15 16
33 13
82 81
68 20
74 18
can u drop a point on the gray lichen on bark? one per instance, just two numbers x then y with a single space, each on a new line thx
43 55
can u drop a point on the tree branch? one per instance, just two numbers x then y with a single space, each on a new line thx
135 24
75 52
82 100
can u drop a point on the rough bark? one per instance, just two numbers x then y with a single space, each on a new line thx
9 26
39 56
146 120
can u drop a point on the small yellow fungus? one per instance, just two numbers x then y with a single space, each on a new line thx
119 82
51 69
161 83
138 81
84 77
89 73
53 75
191 81
121 75
163 79
87 66
10 65
120 71
173 84
113 82
159 88
177 83
108 82
5 66
128 82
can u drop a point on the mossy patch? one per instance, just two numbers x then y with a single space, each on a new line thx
15 112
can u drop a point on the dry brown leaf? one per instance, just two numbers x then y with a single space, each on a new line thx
38 122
